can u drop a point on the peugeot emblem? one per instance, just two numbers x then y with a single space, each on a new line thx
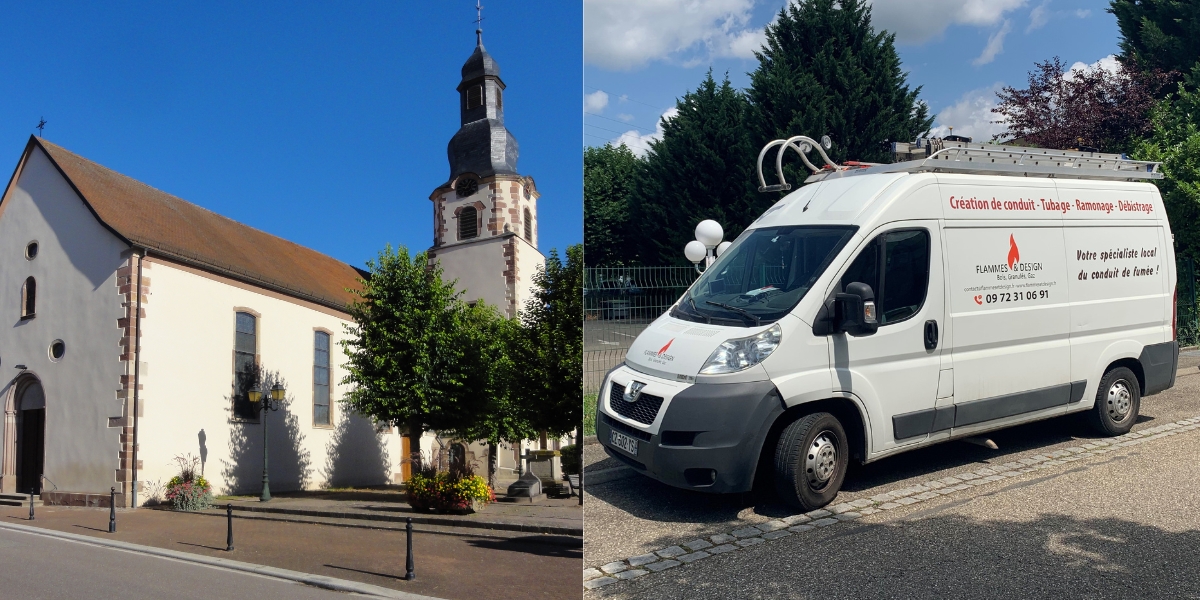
633 391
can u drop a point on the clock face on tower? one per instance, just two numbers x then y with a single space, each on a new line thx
466 187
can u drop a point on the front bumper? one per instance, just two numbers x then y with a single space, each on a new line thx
705 437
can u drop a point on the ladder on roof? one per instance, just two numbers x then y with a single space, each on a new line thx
966 157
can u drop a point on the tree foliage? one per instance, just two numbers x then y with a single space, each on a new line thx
1160 34
702 168
826 70
553 355
1084 107
609 176
414 351
1175 141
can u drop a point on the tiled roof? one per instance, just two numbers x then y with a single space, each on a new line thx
178 229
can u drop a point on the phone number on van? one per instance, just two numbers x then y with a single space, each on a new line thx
1015 296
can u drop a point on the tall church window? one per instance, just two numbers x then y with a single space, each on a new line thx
29 298
528 217
468 227
245 364
474 97
321 378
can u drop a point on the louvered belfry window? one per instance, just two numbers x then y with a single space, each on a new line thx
528 216
468 227
474 97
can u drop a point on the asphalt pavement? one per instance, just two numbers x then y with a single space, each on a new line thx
1151 510
34 567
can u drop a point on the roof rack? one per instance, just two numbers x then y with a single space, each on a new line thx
1018 161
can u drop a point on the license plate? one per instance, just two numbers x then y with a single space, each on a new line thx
623 442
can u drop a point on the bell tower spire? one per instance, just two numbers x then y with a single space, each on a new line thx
482 145
478 24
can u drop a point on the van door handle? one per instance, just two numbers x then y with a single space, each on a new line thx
931 334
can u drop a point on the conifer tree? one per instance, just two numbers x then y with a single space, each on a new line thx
1160 35
702 168
609 176
825 70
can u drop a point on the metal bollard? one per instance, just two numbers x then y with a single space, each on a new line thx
112 510
229 535
30 506
409 575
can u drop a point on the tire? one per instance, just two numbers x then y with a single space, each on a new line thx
811 458
1118 400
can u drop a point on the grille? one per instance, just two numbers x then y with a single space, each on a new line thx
643 411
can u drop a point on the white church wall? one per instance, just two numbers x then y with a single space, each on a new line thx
77 301
188 344
529 261
479 269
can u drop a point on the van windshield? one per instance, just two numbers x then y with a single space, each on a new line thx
763 275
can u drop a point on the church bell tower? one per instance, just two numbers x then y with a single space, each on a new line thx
485 215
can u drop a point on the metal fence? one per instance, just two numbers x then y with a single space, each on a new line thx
1187 311
618 303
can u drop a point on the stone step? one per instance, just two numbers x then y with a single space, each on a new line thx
16 500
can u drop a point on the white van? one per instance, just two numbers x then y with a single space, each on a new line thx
891 307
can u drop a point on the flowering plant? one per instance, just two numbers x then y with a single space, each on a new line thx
452 492
189 491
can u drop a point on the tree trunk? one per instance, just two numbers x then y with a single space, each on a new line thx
492 449
415 431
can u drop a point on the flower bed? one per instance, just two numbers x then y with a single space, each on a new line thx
447 494
189 495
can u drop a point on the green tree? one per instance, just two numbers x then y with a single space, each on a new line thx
825 70
1175 141
609 175
1160 34
552 357
702 168
413 351
504 417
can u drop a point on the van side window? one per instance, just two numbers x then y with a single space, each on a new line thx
900 288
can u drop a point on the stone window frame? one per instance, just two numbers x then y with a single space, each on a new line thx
29 298
329 368
234 417
35 246
479 207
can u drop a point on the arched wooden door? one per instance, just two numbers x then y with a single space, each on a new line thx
31 438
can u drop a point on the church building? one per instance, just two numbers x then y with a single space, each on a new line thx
132 312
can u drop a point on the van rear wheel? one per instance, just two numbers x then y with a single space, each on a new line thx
1118 400
810 461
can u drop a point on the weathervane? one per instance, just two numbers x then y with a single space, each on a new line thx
41 126
478 22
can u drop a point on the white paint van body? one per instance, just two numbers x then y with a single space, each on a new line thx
1036 286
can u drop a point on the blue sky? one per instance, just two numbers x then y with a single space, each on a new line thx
325 123
640 55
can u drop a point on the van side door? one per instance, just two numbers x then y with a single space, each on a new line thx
894 371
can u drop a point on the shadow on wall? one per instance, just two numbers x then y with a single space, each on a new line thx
290 464
357 454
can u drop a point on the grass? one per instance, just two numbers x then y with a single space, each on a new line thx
589 414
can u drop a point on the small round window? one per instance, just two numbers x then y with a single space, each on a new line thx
57 350
31 250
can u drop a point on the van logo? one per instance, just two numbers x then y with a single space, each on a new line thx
664 348
1013 254
633 392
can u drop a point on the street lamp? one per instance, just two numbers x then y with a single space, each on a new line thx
271 402
707 246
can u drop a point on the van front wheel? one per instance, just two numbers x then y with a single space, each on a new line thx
1118 400
810 461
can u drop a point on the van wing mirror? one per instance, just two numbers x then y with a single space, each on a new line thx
855 311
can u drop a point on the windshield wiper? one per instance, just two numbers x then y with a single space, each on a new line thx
692 301
735 309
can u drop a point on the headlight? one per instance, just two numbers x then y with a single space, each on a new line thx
742 353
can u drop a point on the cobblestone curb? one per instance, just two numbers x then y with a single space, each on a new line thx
744 537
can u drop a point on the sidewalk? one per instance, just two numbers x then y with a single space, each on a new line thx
388 509
447 566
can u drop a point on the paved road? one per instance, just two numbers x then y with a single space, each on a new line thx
33 567
632 516
1125 524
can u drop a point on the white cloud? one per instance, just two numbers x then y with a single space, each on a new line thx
1108 63
1038 17
625 117
971 116
917 23
640 143
995 45
628 34
595 101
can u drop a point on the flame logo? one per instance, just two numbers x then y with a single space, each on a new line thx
664 348
1013 254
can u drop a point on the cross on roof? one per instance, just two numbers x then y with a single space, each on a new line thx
41 126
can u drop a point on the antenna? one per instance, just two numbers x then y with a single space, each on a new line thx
478 23
41 126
